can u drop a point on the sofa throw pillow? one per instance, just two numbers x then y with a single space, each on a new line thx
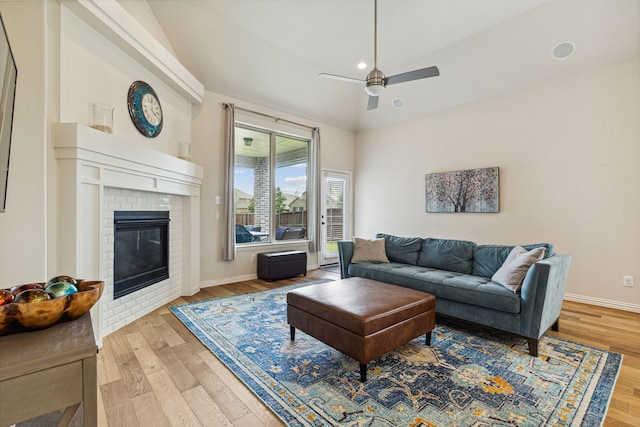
368 251
515 267
402 249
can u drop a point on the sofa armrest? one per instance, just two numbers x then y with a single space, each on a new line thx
345 253
542 294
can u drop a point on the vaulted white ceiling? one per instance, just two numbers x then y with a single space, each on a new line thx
270 52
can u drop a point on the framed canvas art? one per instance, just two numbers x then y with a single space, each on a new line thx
472 190
8 77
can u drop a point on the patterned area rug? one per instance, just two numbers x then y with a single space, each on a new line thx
468 377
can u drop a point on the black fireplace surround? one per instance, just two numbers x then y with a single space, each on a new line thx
141 250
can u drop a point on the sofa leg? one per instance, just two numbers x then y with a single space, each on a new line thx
556 325
533 346
363 372
292 330
428 338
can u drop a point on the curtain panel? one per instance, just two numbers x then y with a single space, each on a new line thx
315 214
229 232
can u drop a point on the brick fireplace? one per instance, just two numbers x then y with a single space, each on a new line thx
119 311
99 174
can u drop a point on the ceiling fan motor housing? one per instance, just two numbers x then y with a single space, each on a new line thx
375 82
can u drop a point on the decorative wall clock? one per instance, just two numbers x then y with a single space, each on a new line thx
145 109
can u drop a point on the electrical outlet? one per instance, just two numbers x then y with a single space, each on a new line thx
627 281
253 257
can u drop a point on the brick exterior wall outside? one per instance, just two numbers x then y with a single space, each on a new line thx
261 193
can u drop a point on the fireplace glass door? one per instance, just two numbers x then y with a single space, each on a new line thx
141 250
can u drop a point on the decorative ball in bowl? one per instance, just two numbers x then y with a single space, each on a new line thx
28 310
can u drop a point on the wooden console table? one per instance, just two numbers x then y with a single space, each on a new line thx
48 370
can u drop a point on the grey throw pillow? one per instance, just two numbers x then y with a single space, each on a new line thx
515 267
368 251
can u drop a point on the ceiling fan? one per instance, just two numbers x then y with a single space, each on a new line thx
376 81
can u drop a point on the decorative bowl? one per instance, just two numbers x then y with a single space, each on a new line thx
22 317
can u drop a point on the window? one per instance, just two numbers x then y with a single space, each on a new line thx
270 200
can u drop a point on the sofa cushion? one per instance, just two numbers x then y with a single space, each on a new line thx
451 255
515 267
402 249
368 251
445 285
487 259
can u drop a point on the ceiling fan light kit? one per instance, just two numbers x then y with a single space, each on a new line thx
376 81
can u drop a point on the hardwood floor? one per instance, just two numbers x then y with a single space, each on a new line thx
154 372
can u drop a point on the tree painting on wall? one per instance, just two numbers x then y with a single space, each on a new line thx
473 190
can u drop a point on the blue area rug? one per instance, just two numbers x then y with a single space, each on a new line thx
468 377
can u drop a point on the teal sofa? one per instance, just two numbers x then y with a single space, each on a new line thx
458 273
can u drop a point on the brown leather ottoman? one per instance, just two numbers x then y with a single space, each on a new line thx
361 318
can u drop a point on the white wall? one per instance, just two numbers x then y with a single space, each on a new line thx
23 227
569 158
337 152
93 69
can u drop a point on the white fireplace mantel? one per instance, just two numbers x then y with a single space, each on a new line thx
125 164
88 161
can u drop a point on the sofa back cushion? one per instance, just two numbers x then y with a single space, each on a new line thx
450 255
487 259
402 249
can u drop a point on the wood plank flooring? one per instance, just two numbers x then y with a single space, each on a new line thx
154 372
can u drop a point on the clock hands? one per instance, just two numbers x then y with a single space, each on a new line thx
151 109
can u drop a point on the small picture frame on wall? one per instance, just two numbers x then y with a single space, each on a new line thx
471 190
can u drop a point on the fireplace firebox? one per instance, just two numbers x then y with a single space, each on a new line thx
141 250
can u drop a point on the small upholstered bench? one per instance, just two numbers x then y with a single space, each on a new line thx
361 318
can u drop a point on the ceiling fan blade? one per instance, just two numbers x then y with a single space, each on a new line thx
342 78
372 104
413 75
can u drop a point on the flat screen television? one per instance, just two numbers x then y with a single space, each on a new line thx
8 78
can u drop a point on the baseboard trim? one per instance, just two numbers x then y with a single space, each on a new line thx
618 305
227 280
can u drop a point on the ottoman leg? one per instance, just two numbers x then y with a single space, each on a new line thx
363 372
428 338
293 333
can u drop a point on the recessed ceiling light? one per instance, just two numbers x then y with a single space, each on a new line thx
563 50
362 65
397 103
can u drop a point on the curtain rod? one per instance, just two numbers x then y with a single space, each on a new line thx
277 119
